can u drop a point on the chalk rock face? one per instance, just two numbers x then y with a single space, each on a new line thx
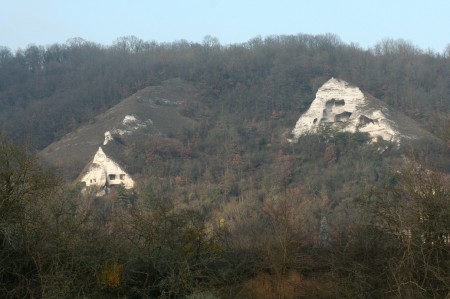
103 171
347 109
128 126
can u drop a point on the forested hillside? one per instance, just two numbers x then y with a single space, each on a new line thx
58 87
224 206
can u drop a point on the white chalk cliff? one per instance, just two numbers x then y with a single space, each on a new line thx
347 109
130 124
103 171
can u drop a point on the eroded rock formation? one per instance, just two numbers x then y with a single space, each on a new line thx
346 108
104 172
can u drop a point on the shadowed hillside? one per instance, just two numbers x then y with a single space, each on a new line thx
221 204
158 106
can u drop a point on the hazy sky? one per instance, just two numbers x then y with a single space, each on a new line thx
42 22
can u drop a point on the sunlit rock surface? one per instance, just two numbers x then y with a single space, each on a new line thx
104 172
129 124
347 109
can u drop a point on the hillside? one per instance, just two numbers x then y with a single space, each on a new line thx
174 121
156 108
205 194
63 86
346 108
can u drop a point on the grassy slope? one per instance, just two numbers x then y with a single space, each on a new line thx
74 150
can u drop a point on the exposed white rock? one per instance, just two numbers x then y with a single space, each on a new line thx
103 171
108 137
131 123
128 119
346 108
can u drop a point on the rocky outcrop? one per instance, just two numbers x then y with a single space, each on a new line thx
153 110
129 124
347 109
103 172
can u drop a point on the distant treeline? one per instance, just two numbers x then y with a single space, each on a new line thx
46 92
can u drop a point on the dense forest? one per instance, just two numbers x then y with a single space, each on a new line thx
58 87
228 208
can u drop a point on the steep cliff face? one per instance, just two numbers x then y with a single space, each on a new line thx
103 171
348 109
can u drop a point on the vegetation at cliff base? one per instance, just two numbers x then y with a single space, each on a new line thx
224 206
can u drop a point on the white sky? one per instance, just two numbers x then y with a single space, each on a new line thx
43 22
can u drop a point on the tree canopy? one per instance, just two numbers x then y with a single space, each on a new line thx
61 86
